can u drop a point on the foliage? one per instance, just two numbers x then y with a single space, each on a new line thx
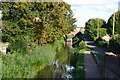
70 36
77 39
92 27
58 44
117 23
25 66
82 45
116 43
101 43
102 32
77 60
55 20
112 46
18 45
80 72
10 29
22 29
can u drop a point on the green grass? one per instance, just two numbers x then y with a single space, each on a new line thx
80 73
77 60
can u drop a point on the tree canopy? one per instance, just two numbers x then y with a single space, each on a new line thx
48 21
95 27
117 23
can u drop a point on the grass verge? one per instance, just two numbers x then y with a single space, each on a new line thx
77 60
100 56
80 73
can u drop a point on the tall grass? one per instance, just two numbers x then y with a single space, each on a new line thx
80 72
27 65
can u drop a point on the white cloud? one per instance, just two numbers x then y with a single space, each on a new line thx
86 9
83 1
78 2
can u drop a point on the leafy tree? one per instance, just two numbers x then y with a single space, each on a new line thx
93 27
117 23
102 32
55 18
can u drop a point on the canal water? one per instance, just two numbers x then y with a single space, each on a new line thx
59 68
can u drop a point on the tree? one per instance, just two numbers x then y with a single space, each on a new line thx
55 19
117 23
93 26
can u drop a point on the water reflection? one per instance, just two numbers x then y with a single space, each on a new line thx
59 68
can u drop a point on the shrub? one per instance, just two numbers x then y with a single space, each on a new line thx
101 43
114 46
18 45
77 39
58 44
27 65
82 45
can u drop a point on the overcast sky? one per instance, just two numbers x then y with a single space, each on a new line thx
86 9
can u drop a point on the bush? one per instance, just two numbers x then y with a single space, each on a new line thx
27 65
114 45
18 45
58 44
101 43
77 39
82 45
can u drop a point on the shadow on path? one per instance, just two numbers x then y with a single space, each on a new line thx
92 45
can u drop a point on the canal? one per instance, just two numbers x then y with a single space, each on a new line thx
60 68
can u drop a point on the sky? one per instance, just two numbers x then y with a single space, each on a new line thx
83 10
0 14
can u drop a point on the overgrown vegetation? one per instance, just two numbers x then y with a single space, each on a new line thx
80 68
35 32
77 60
114 44
77 56
27 65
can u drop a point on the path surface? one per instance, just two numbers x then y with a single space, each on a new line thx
94 47
91 68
